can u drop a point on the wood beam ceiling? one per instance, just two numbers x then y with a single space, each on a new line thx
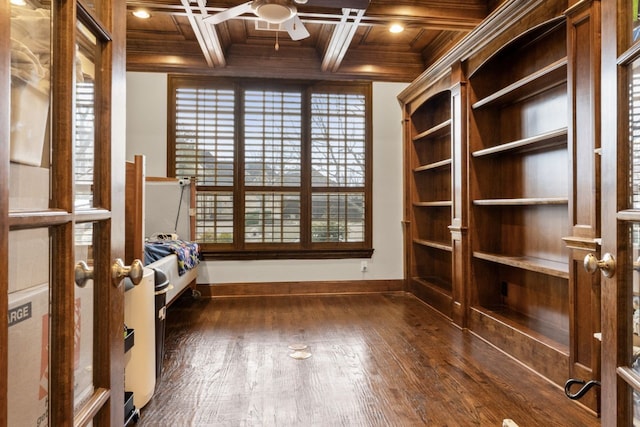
206 34
341 39
344 43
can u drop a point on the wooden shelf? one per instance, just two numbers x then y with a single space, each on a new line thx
549 335
440 129
546 78
530 201
443 286
435 165
537 265
556 137
433 244
434 204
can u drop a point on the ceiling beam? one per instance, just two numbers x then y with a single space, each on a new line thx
205 34
341 39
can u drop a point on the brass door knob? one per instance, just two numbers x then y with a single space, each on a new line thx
134 271
607 264
83 273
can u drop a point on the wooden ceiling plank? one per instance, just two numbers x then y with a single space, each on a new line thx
341 39
186 44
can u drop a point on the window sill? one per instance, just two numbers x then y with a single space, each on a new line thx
217 255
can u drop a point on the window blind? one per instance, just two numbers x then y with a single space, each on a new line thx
278 167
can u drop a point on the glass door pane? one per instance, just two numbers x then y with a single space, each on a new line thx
84 167
30 95
85 130
84 322
29 248
28 337
634 278
632 275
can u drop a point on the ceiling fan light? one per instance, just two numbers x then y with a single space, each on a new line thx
275 12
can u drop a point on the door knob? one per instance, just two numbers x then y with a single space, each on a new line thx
83 273
607 264
119 271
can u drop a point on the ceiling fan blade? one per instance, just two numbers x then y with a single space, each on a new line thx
295 28
340 4
232 12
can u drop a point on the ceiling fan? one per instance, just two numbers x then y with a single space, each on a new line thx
283 12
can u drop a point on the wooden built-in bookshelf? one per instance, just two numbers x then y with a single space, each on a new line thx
519 186
491 181
429 197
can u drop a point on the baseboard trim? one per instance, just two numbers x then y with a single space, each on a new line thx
300 288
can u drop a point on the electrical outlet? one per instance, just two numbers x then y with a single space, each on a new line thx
503 289
363 266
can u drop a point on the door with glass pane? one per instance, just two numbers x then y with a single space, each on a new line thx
62 346
620 262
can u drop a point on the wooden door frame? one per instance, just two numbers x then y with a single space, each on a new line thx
108 365
616 403
110 183
114 14
5 93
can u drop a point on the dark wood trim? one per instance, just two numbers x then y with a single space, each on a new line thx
92 408
300 288
113 13
216 255
583 140
616 404
61 345
5 134
134 208
460 198
21 220
496 30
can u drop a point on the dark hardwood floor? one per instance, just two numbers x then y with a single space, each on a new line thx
377 360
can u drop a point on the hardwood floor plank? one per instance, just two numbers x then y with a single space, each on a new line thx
376 360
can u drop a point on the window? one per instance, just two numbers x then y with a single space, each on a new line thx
283 170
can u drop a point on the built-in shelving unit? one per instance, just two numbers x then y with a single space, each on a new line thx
502 186
519 195
430 199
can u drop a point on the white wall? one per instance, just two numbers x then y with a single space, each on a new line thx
147 134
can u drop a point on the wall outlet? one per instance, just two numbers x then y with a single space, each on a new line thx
363 266
504 289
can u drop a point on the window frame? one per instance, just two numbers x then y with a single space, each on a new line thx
305 248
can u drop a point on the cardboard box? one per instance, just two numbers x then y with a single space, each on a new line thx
28 187
29 353
28 258
28 357
29 116
83 349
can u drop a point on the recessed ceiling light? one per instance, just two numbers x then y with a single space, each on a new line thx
19 2
396 28
142 14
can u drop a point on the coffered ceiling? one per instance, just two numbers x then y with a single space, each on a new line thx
342 43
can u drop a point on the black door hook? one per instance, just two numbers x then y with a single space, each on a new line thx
586 386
